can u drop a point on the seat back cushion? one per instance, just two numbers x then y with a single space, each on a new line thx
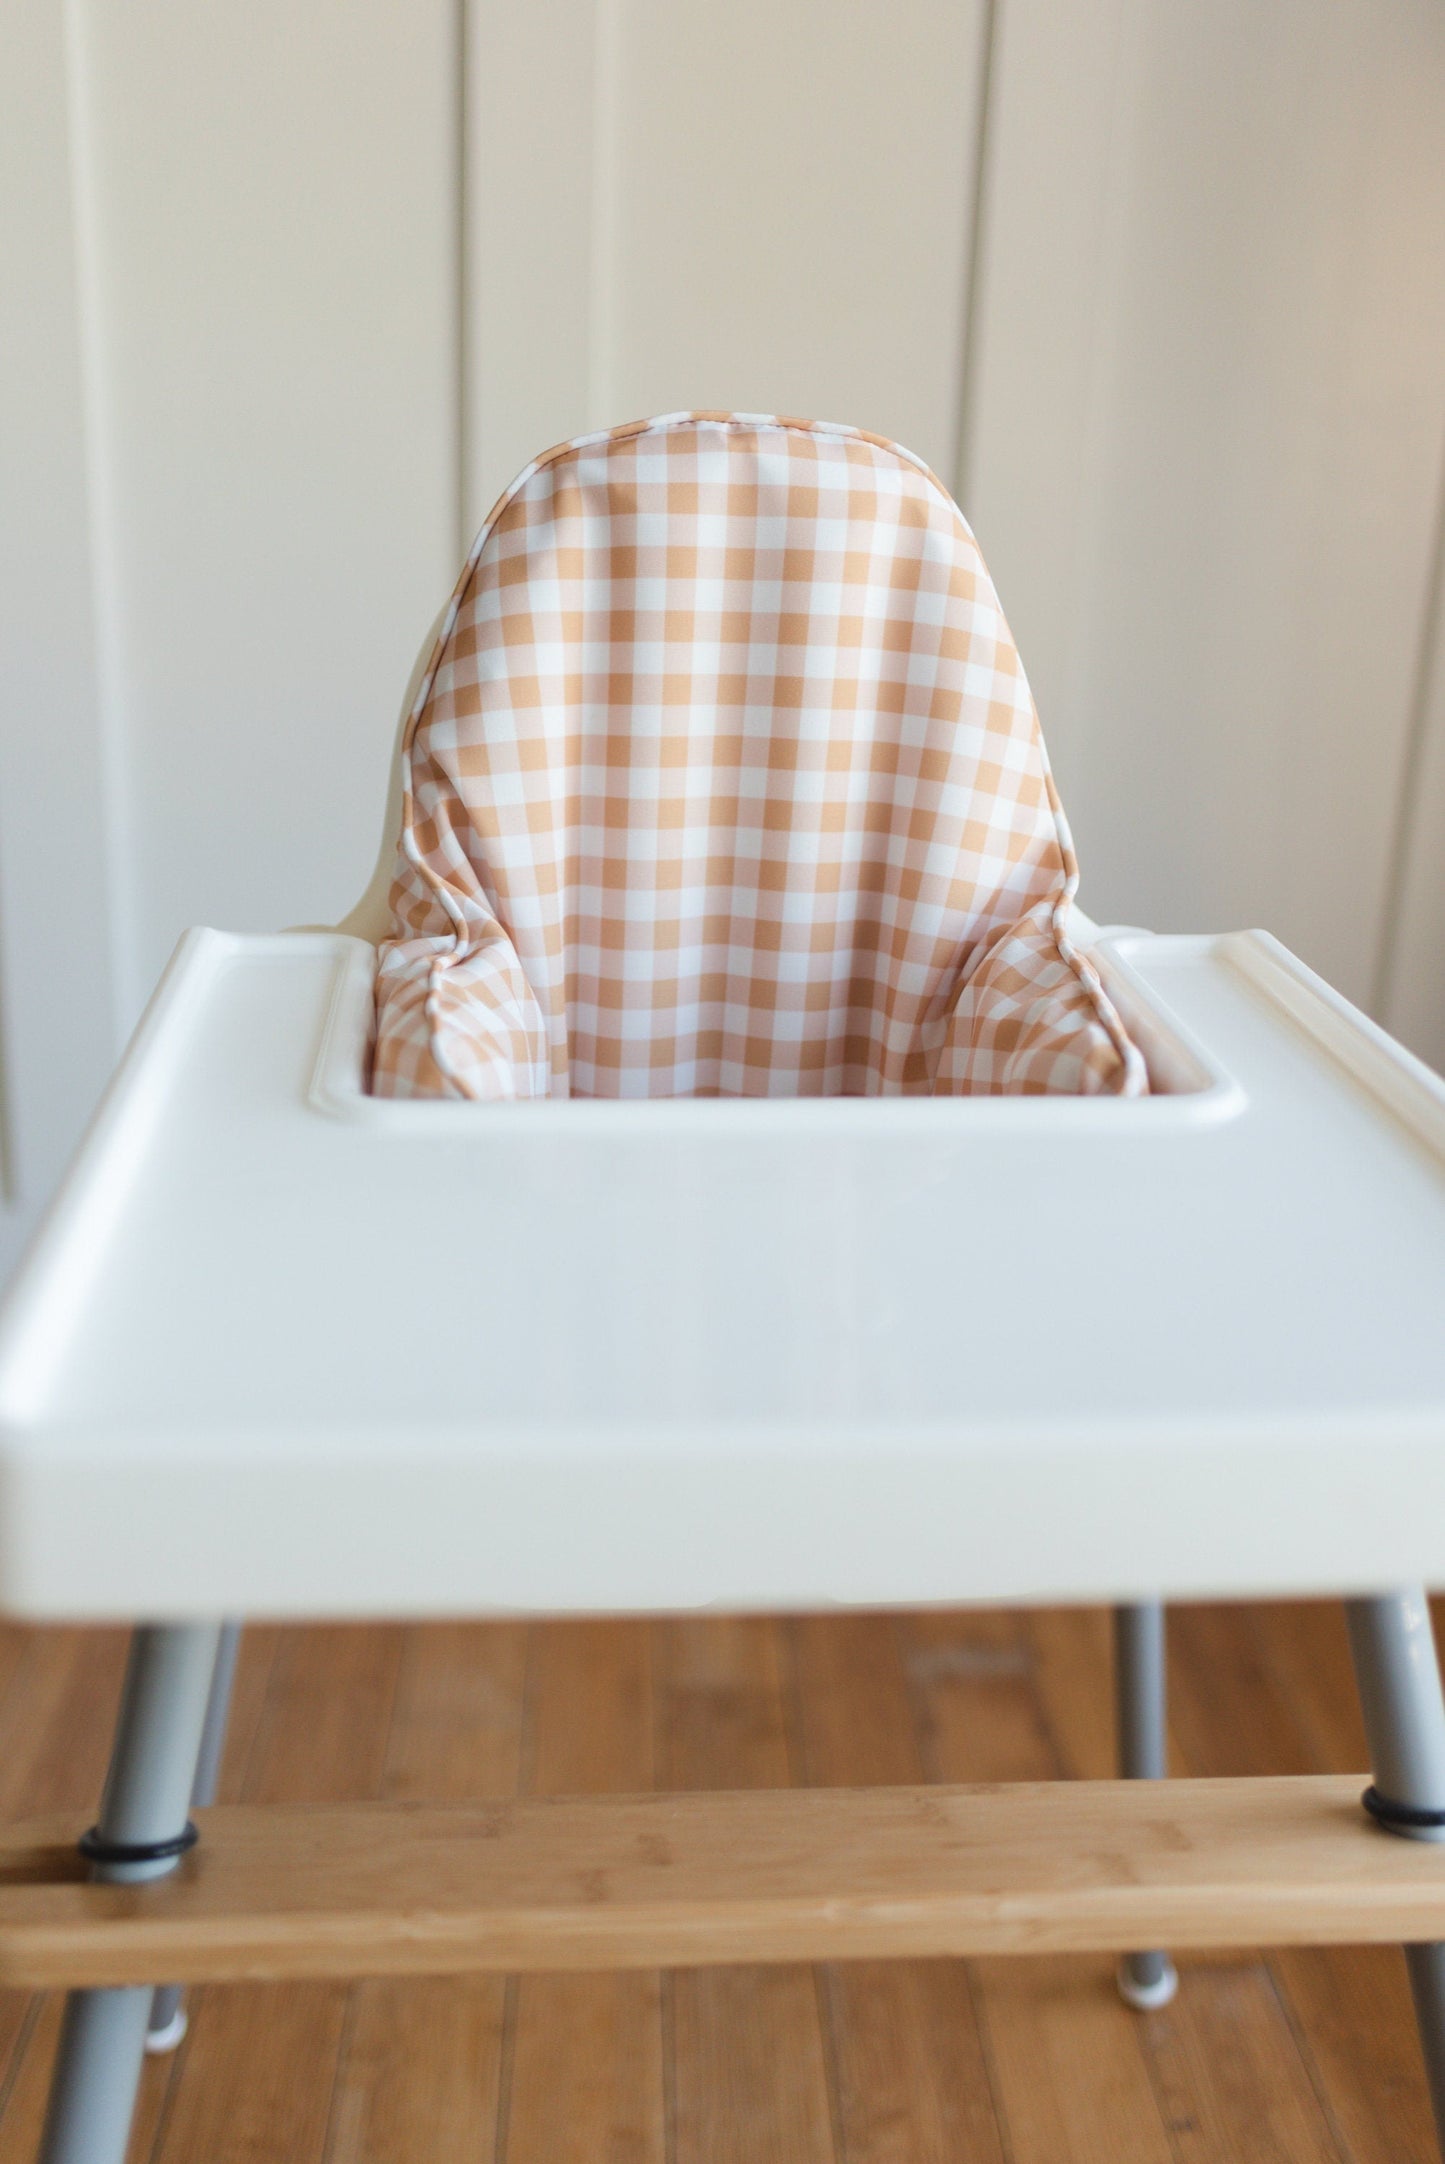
724 779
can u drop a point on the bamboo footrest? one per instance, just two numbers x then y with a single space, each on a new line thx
610 1882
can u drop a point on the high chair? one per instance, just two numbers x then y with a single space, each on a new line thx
718 1162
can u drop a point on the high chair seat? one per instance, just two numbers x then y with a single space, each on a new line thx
724 779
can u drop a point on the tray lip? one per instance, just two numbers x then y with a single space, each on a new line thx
580 1443
1350 1528
1401 1085
1203 1090
58 1262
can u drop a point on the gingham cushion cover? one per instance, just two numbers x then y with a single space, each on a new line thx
724 778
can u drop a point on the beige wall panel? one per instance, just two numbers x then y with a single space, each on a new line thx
273 204
671 206
58 1016
1050 232
1215 560
532 92
792 211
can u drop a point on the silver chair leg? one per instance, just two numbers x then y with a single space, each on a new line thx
1399 1678
147 1793
1146 1980
168 2014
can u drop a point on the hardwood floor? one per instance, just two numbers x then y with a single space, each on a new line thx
1295 2058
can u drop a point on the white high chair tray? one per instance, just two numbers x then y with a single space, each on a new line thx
286 1349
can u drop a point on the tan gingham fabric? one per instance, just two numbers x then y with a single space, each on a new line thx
724 779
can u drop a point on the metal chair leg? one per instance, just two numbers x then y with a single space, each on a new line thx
147 1793
1399 1678
168 2014
1146 1980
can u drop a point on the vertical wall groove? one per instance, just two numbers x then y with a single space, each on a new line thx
1403 834
118 836
970 334
602 289
9 1195
462 31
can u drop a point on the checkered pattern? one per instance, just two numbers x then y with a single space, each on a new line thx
724 779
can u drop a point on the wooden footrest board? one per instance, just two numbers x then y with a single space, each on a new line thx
610 1882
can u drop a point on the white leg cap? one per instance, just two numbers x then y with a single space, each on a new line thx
166 2039
1147 1998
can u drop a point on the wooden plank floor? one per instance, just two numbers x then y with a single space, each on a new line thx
1302 2058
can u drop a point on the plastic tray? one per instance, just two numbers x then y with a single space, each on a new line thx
285 1349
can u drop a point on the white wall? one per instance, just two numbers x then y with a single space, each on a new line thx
291 291
1211 386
